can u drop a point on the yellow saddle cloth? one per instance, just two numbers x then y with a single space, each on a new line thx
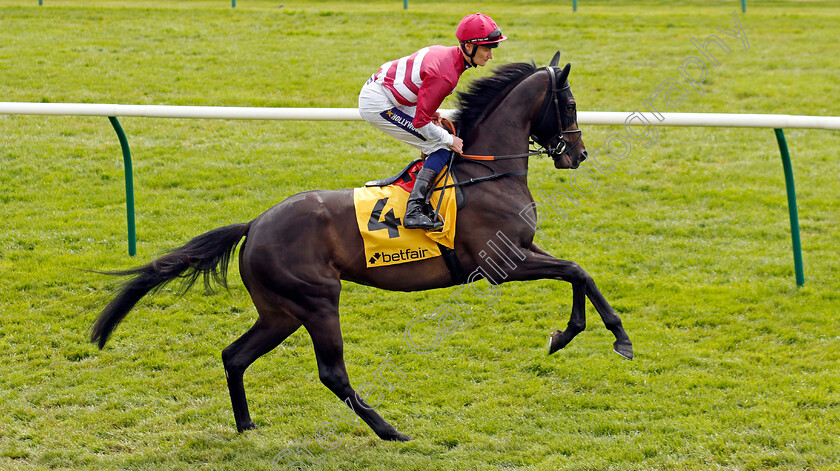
380 212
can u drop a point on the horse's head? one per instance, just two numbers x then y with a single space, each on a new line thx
556 128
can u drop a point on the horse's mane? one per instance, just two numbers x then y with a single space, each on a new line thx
483 93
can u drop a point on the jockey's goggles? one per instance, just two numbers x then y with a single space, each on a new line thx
491 40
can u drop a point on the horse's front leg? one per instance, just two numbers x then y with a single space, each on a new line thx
622 344
535 264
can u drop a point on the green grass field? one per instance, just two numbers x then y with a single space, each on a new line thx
736 368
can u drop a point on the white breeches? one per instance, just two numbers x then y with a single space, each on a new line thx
376 107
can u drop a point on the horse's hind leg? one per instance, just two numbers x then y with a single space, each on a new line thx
266 334
329 351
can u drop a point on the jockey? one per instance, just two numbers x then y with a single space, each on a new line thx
402 99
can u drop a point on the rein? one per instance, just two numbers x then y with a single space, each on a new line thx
479 159
490 158
485 178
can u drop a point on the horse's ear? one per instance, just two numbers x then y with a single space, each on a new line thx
564 75
555 60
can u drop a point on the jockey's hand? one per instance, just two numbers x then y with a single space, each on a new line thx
437 119
457 144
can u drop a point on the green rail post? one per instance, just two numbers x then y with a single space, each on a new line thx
743 6
233 3
794 217
129 186
405 4
574 5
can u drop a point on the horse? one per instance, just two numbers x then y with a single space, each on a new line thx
296 253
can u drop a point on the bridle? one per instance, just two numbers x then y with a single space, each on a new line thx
561 148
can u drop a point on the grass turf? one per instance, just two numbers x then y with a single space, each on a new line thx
735 367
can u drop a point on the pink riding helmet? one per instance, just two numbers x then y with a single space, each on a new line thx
480 29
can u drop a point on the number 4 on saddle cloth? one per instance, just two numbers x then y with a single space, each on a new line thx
380 208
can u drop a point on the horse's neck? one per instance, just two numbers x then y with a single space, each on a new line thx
505 130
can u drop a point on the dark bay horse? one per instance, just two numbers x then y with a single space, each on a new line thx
296 253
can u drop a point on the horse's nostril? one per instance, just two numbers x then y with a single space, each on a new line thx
583 156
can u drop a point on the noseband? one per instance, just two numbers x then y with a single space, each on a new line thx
561 148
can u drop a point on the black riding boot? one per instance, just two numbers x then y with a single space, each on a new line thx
414 217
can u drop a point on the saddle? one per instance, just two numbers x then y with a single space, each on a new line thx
405 179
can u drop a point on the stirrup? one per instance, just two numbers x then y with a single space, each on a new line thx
437 221
423 221
435 226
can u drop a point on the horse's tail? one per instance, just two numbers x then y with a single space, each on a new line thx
207 255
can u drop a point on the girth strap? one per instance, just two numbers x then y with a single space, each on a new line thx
456 270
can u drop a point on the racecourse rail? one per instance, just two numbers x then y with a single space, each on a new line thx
775 121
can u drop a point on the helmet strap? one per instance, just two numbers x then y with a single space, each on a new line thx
470 62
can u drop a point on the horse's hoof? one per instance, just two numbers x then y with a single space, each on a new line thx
250 425
554 343
624 349
398 437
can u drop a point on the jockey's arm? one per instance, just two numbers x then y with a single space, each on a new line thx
429 98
